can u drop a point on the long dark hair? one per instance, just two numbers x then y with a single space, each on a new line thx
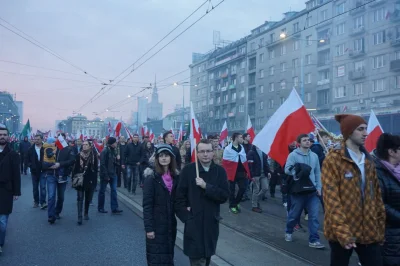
386 142
160 169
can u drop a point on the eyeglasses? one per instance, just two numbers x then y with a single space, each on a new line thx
205 151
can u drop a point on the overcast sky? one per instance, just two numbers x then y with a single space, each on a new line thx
104 38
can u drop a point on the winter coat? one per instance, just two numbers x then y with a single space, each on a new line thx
254 161
24 147
390 188
348 212
133 154
66 159
33 162
89 179
159 217
10 179
107 163
202 221
177 154
319 151
247 147
121 152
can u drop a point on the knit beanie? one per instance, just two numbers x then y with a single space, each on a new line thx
111 140
51 140
349 123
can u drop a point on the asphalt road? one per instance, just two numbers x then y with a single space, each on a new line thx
103 240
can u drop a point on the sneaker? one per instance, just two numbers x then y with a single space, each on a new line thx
36 205
288 238
256 209
234 210
117 211
306 217
57 217
44 206
285 204
316 245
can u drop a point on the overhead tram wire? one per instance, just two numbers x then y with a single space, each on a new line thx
162 48
45 48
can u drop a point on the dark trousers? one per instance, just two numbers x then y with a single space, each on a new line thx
119 171
132 172
35 186
24 165
241 181
275 180
369 255
87 195
200 262
60 196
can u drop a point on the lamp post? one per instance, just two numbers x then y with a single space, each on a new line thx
183 84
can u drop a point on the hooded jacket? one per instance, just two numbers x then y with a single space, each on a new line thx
309 158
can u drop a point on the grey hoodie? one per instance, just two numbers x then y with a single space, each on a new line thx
311 159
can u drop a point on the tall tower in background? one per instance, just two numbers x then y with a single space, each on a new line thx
155 107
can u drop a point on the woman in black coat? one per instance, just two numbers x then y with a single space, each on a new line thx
87 163
158 211
387 161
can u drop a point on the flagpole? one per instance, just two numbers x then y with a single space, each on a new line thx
323 144
195 159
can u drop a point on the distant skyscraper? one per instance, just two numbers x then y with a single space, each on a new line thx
142 110
155 107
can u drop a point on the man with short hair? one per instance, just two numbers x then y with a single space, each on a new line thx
218 151
35 159
121 172
247 142
78 146
354 210
10 182
303 165
133 156
197 205
168 138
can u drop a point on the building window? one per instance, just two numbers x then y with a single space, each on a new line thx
271 103
359 22
261 105
198 104
379 37
283 67
358 89
308 40
283 49
323 75
324 15
233 96
379 61
261 58
295 81
233 69
271 54
252 46
211 101
218 99
397 82
340 28
225 97
340 92
296 27
242 94
261 43
261 73
283 84
204 102
261 88
378 85
272 37
211 114
243 64
340 9
198 92
340 49
397 55
341 71
212 75
359 45
282 100
296 45
308 21
359 65
308 78
199 69
295 63
272 87
308 59
271 71
307 97
242 79
379 14
241 108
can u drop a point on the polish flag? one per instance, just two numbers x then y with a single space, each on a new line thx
230 161
109 129
195 134
224 134
151 137
128 132
374 132
250 130
289 121
180 137
117 130
60 142
98 147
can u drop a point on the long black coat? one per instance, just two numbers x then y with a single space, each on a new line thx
159 217
390 189
202 221
89 179
10 179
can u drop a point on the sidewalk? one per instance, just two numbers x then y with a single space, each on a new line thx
247 239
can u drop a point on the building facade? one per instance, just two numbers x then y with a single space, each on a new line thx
342 56
9 115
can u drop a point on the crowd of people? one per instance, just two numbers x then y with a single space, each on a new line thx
359 192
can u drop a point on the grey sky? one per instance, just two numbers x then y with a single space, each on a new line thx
104 37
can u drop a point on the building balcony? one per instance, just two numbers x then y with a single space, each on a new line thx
395 16
223 89
323 63
395 42
357 31
395 65
231 114
224 75
232 86
359 8
377 3
323 106
355 54
357 74
323 82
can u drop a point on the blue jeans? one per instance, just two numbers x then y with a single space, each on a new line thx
102 193
51 200
60 196
43 181
132 170
3 227
298 203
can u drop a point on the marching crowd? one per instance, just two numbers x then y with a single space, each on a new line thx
358 191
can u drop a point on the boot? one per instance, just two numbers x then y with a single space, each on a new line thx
80 206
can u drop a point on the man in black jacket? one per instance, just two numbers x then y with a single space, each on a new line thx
10 182
197 204
133 158
120 161
23 153
168 138
34 160
108 175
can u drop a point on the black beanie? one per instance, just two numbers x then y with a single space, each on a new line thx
111 140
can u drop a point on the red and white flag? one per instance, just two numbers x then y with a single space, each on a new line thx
230 161
128 132
151 137
117 130
374 132
250 130
224 134
180 137
98 147
195 134
60 142
109 129
285 125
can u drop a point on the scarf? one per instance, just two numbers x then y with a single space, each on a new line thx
393 169
168 181
86 157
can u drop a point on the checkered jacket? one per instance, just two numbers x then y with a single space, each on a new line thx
349 213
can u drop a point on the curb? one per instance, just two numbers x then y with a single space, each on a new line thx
138 210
